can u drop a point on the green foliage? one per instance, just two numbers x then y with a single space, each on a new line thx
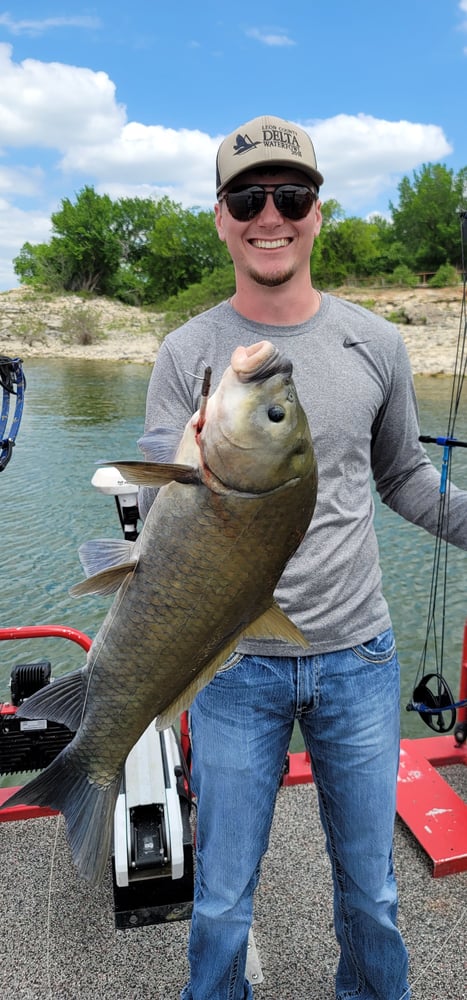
402 275
426 221
183 247
445 275
145 251
349 248
212 288
85 245
138 250
399 316
36 266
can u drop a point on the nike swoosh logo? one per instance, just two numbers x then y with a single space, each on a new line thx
348 342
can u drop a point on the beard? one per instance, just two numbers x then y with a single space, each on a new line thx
271 280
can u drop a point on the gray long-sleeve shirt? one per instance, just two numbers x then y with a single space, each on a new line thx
354 382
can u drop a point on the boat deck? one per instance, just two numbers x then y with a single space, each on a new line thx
58 937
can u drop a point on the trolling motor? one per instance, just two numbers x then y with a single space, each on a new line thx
109 480
11 375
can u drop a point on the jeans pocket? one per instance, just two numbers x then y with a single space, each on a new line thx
230 662
380 649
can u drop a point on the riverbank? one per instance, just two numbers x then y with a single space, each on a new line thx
33 325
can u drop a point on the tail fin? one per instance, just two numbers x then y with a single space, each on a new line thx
88 809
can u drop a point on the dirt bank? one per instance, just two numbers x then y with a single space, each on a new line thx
34 325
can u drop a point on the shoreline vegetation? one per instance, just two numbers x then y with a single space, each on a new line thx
34 325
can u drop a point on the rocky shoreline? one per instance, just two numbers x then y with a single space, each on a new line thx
33 325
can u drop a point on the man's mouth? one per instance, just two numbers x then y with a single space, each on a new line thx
270 244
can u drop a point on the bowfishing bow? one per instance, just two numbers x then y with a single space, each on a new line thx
432 697
11 376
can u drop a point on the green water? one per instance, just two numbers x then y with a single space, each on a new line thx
81 412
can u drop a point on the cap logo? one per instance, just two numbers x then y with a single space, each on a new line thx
283 139
243 144
277 137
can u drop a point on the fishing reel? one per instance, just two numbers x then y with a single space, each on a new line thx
434 701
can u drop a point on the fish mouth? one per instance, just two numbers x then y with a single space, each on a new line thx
260 362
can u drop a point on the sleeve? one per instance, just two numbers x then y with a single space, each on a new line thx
405 478
169 403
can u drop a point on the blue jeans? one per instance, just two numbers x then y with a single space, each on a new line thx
347 705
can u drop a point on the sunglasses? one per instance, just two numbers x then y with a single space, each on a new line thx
293 201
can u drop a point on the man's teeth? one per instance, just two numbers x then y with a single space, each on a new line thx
270 244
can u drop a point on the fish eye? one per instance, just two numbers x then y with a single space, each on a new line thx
276 414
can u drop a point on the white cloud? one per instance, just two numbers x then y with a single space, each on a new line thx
52 104
274 37
151 154
23 181
361 157
38 27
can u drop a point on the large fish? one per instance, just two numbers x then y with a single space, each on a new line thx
234 505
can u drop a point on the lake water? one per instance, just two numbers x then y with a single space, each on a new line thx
80 412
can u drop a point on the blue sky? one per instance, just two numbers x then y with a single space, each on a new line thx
135 97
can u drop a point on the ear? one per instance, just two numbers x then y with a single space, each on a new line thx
318 218
219 223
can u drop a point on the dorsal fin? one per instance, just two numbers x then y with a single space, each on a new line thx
275 624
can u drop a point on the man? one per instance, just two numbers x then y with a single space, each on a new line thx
353 379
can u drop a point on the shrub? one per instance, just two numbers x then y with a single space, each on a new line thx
399 316
213 288
445 275
402 275
81 325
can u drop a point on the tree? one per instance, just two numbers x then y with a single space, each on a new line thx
426 220
83 253
139 250
183 246
346 248
85 240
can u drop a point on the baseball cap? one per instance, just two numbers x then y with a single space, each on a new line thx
265 141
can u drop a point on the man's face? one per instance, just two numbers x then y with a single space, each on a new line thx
269 249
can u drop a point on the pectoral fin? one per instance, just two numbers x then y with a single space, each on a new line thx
156 474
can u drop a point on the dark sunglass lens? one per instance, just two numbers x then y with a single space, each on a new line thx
245 204
293 201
